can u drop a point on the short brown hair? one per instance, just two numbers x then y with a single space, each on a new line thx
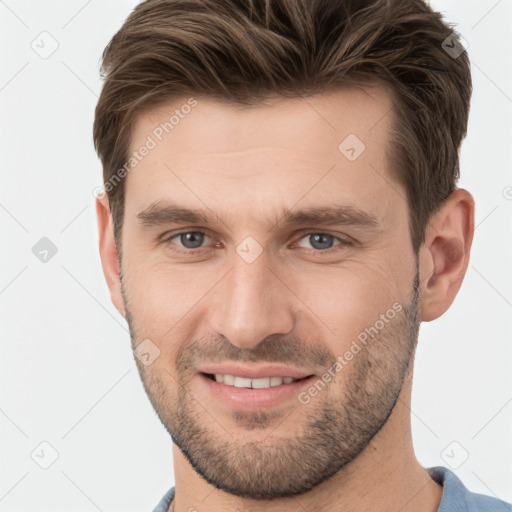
243 51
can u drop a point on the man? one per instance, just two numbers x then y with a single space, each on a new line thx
281 214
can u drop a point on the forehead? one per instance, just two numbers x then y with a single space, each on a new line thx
313 148
212 125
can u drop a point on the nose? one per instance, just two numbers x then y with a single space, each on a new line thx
251 303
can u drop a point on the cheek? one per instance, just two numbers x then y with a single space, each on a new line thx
348 300
159 303
161 296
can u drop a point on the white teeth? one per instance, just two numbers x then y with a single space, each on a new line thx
260 383
242 382
276 381
229 380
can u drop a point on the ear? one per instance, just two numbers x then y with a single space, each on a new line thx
444 256
108 252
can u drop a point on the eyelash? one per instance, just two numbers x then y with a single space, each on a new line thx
343 243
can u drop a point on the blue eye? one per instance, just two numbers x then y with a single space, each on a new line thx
190 239
320 241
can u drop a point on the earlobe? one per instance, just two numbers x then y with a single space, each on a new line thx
445 254
108 253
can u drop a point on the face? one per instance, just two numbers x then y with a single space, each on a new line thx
268 272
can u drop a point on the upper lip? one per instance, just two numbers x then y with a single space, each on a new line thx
254 372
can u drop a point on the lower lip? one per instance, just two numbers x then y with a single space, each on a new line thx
249 399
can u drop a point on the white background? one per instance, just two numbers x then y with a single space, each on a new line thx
67 372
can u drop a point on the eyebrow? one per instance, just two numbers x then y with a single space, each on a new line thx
162 213
331 215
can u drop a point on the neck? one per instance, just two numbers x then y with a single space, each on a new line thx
385 477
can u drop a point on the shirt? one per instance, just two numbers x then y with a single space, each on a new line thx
456 497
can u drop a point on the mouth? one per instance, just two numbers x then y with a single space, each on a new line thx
257 393
257 383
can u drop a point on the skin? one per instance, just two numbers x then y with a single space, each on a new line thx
250 166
